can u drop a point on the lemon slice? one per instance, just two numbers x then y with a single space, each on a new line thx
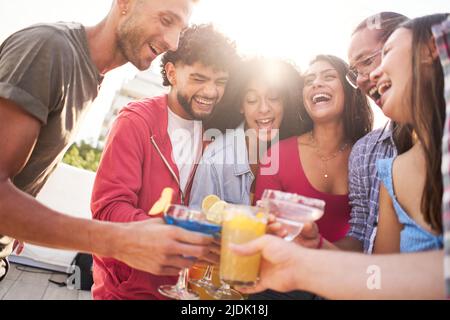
215 213
209 201
163 204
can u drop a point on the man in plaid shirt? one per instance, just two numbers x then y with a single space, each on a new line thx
442 36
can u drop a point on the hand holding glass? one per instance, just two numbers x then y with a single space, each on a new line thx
194 221
292 210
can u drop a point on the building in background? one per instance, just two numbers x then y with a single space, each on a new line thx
146 84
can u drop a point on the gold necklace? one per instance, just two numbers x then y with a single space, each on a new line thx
325 158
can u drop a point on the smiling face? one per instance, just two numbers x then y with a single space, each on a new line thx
263 109
393 77
323 92
198 88
365 56
151 28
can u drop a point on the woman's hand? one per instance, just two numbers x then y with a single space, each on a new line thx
310 236
275 228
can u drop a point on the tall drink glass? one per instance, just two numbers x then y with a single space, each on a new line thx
241 224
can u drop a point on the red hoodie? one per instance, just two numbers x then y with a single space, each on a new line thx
136 166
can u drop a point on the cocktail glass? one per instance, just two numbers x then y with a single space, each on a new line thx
292 210
205 282
194 221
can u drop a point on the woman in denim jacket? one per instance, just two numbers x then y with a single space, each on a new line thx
260 108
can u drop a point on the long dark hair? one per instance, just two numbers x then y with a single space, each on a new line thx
287 81
358 116
428 114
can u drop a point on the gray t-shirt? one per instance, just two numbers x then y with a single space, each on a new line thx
47 70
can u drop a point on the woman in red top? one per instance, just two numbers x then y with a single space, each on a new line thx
333 117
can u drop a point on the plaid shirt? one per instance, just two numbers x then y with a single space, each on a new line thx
442 35
364 184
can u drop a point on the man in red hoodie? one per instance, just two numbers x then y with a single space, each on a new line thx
154 144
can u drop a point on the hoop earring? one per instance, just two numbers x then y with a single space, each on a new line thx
300 116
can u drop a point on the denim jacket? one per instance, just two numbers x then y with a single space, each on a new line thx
224 170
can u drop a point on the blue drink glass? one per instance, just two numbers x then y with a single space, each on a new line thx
195 221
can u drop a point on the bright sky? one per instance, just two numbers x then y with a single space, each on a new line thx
292 29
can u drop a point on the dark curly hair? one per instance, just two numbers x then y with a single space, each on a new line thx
204 44
358 116
227 114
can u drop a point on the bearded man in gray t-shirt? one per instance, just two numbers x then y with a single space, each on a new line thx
49 75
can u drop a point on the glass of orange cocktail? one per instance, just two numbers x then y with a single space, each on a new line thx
241 224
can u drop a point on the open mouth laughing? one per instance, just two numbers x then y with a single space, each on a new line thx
205 103
321 98
155 49
266 123
382 88
375 95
